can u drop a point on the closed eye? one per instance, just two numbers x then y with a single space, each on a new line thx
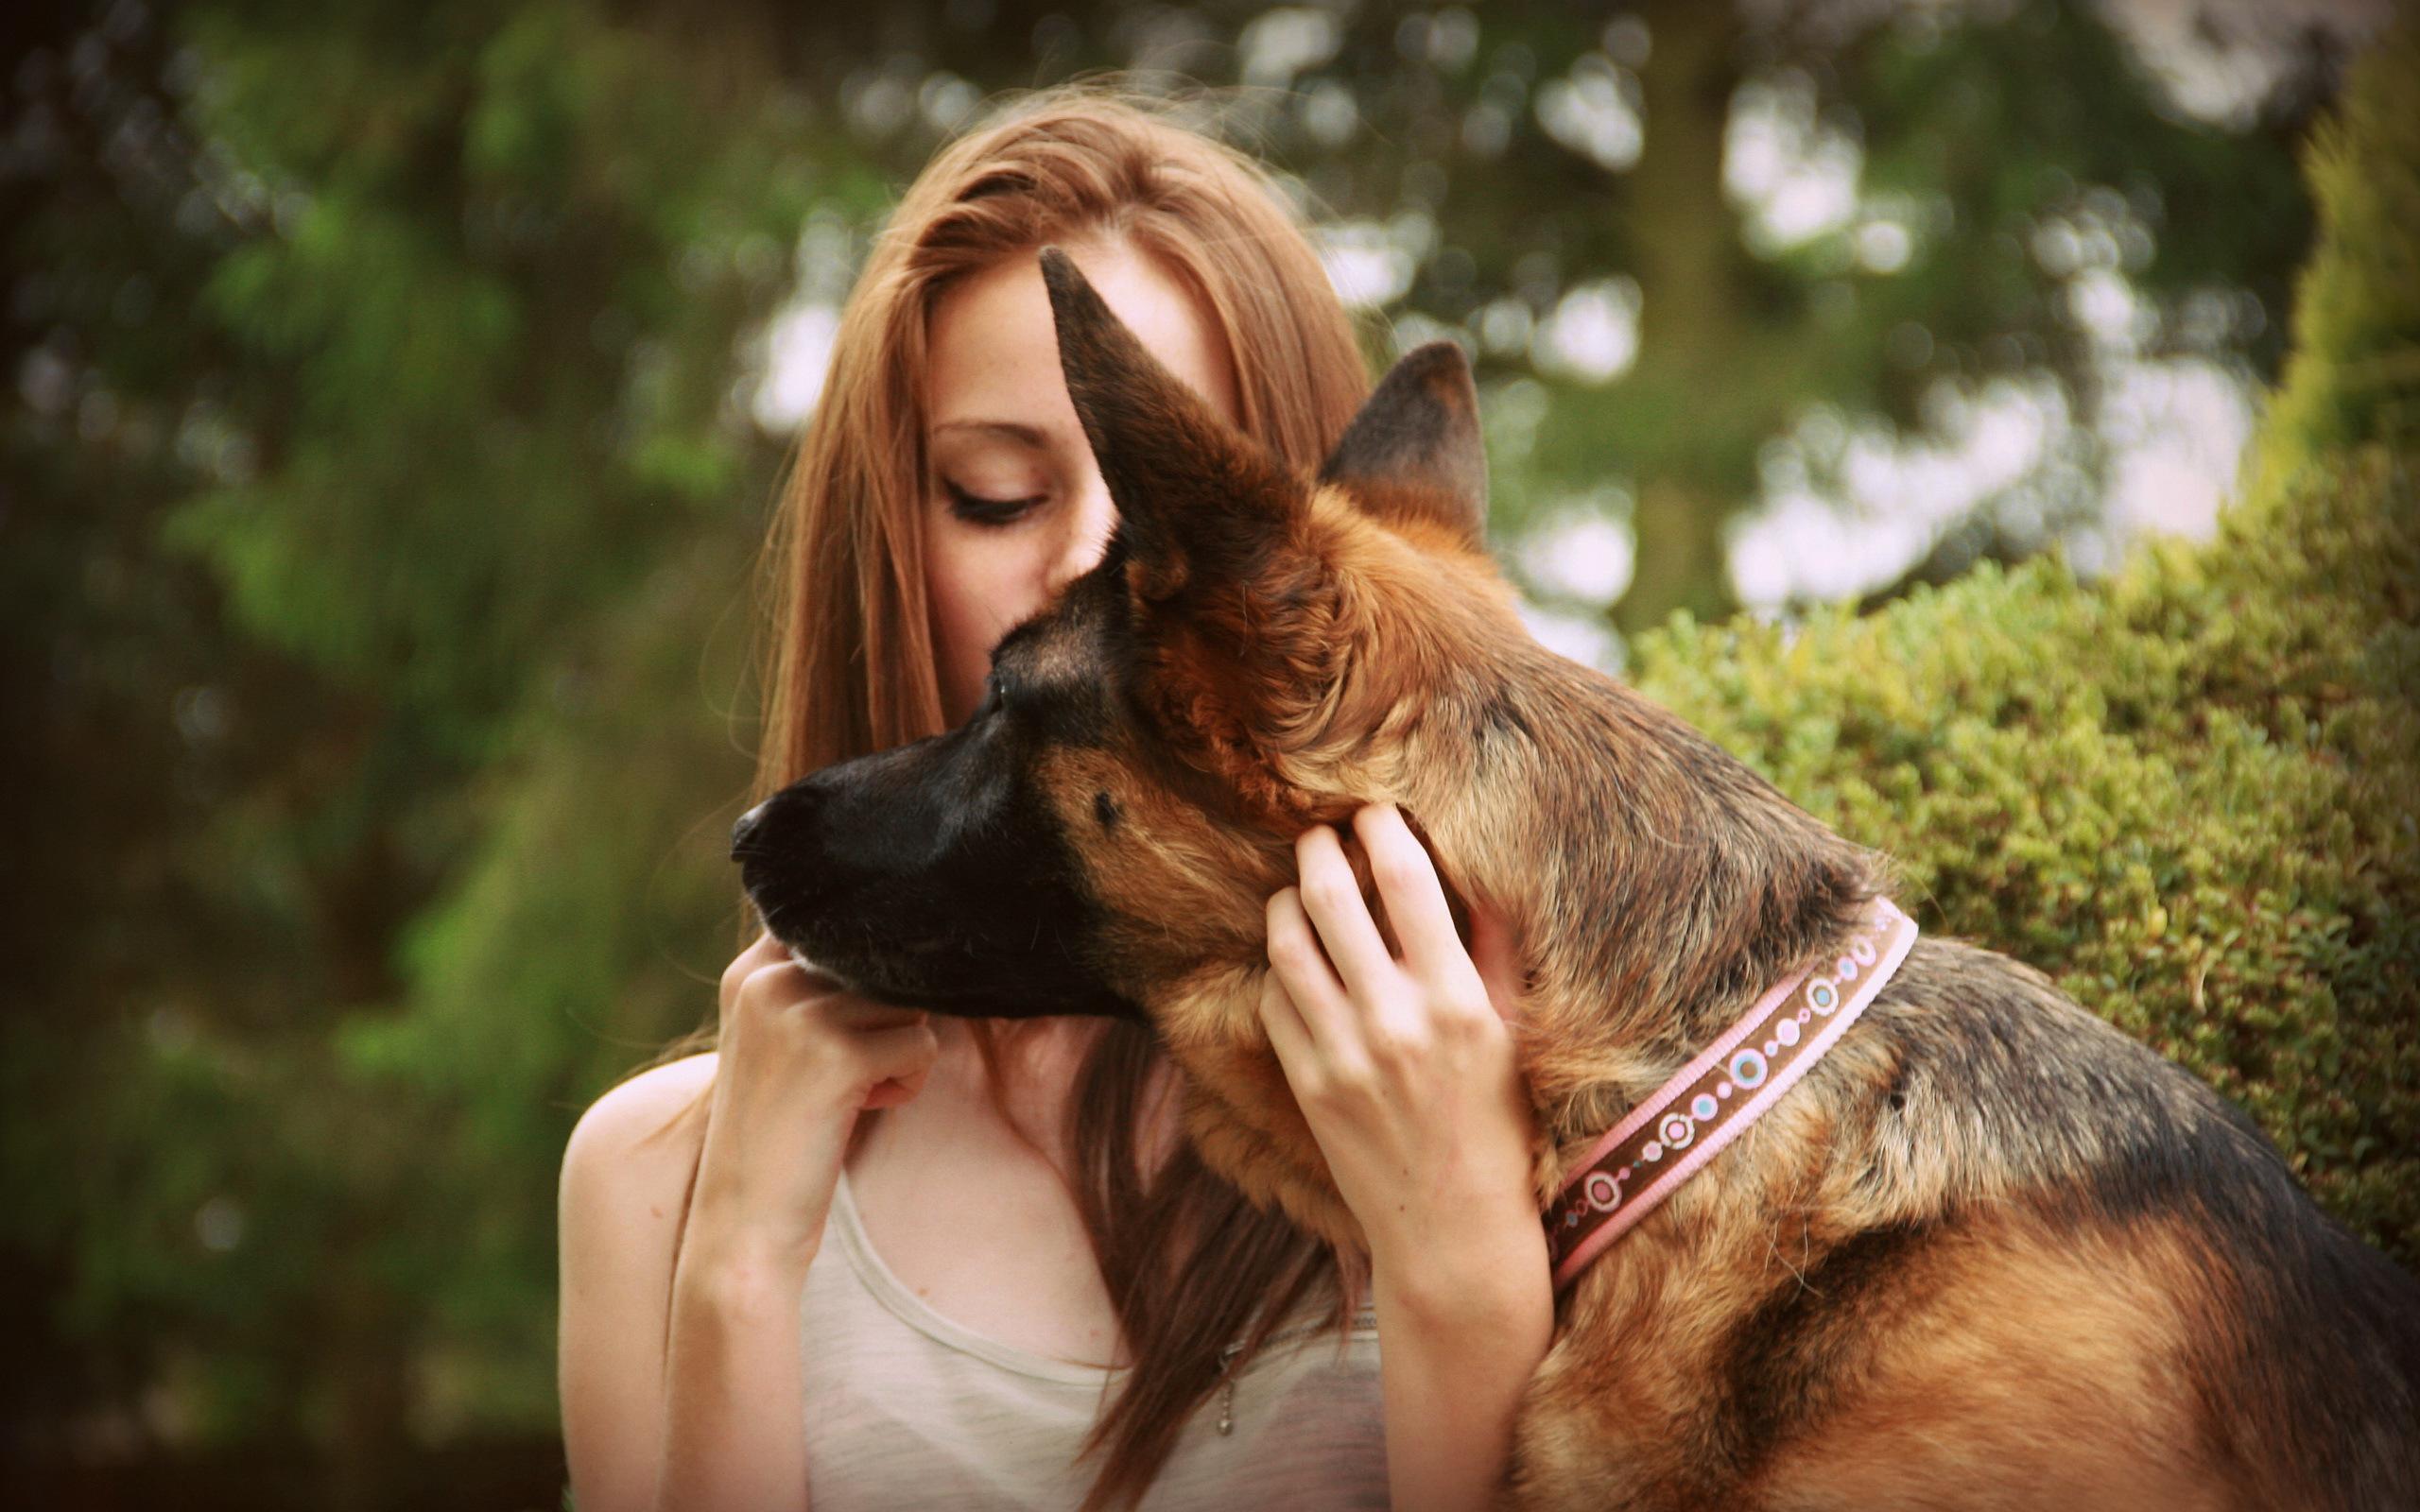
982 510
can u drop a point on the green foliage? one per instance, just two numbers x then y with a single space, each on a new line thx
2354 375
2186 793
387 493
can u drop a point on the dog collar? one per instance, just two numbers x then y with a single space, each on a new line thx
1667 1137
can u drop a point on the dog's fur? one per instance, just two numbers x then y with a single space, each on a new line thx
1989 1254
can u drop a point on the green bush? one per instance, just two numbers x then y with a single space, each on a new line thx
2185 791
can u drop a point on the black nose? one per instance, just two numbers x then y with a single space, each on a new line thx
745 827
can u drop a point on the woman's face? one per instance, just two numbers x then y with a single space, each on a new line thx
1015 507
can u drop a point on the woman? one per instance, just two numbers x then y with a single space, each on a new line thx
1008 1281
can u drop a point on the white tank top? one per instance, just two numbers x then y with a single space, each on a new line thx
906 1409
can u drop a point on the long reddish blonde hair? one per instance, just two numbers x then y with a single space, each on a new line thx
1190 1267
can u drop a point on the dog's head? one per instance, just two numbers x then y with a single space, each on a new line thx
1255 653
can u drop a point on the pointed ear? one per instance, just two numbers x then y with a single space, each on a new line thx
1198 501
1414 451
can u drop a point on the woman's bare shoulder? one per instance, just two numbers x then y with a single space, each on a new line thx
625 1199
638 1143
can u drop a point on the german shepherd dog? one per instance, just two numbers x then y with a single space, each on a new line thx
1989 1253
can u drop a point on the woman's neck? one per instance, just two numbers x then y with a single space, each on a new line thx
1037 1062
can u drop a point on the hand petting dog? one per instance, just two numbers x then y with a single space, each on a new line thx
1404 1067
1405 1070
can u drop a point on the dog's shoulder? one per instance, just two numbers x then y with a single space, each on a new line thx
1978 1061
1979 1093
2044 1087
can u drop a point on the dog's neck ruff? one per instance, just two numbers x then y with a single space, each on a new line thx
1677 1130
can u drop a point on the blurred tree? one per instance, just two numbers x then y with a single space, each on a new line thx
373 413
1697 224
2226 864
386 451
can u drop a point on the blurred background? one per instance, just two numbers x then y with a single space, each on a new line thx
395 393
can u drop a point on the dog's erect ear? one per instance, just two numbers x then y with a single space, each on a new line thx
1414 451
1198 501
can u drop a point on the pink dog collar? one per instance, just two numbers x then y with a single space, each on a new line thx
1667 1137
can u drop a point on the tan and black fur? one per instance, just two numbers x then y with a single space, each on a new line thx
1989 1254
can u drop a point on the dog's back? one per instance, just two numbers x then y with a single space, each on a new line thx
2300 1344
2005 1256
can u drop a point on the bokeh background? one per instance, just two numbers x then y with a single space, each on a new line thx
396 390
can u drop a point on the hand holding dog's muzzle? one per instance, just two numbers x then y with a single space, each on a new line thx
799 1057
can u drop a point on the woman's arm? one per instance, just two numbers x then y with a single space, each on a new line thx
735 1419
685 1249
1459 1338
680 1364
625 1188
1405 1070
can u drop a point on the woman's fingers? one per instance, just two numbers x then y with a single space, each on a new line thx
900 1058
1297 1057
796 1031
1407 885
764 952
1332 897
1336 1034
1295 959
1498 961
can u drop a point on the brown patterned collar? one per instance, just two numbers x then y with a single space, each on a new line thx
1666 1139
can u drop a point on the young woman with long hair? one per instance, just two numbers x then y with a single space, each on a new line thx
862 1257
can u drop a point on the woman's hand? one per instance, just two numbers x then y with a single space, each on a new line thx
800 1058
1405 1069
1404 1066
681 1372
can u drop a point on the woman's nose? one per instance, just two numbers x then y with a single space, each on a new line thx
1089 526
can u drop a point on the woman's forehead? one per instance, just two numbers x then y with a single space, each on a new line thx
991 356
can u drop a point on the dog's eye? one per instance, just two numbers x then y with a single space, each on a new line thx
998 696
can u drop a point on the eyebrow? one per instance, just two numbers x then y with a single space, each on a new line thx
1028 434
